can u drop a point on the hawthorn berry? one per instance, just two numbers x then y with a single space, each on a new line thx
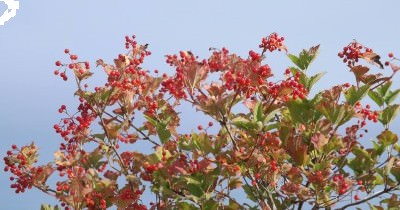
73 57
356 197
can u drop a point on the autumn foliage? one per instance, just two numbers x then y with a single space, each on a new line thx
269 143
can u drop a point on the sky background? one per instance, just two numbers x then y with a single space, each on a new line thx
35 38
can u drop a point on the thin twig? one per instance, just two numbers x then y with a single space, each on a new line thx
386 190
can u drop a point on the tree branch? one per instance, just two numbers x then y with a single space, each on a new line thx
386 190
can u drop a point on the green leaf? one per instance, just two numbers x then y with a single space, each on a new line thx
375 96
210 205
202 142
389 166
294 59
395 171
244 123
378 150
284 132
353 95
234 183
151 120
362 162
389 114
271 115
301 111
258 112
248 190
305 57
387 138
378 180
233 205
45 207
94 159
193 180
163 132
271 126
374 207
336 114
101 136
195 190
383 90
333 145
49 207
391 96
186 206
314 79
185 144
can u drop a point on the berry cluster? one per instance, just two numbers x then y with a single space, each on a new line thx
272 42
352 52
219 60
190 73
19 163
246 76
75 126
128 194
366 113
81 69
273 165
94 200
174 86
194 166
289 89
137 53
343 184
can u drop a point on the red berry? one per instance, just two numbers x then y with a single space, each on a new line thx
66 51
391 55
199 127
58 63
356 197
56 72
335 178
210 124
73 57
345 185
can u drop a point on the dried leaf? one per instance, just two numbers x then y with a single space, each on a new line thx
372 58
319 140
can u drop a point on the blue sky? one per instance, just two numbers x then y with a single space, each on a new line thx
35 38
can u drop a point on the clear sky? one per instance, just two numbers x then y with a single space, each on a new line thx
35 38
